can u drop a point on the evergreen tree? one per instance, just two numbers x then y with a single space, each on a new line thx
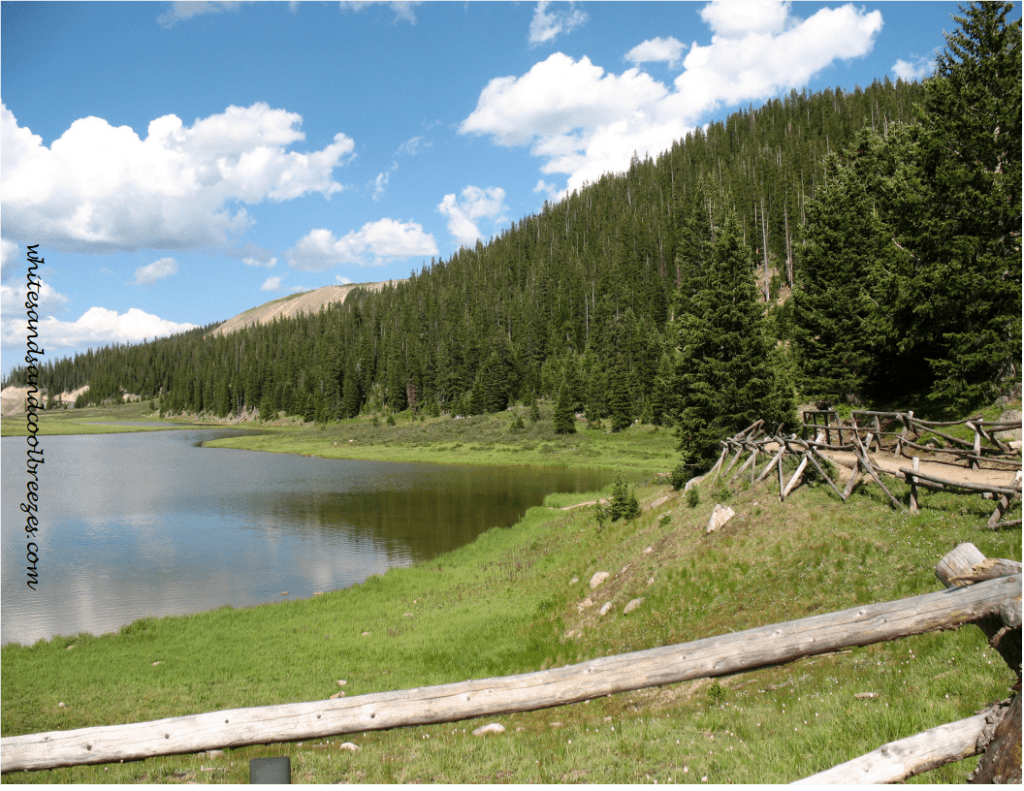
564 417
845 245
969 295
624 504
728 374
619 402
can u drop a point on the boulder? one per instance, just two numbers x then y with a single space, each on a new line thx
719 516
633 604
354 748
605 608
491 728
598 578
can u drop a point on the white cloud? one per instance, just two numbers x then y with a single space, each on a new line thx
667 50
402 10
737 18
96 327
546 26
186 9
271 284
412 146
342 280
10 256
375 243
250 261
12 302
584 122
550 190
920 68
476 204
100 188
157 270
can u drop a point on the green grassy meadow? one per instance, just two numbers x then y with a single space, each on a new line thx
512 601
91 420
639 451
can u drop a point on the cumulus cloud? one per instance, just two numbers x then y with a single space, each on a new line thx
476 204
737 18
100 188
97 327
584 122
917 69
375 243
155 271
271 284
668 50
547 25
13 298
342 280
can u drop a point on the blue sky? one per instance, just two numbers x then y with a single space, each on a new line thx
179 163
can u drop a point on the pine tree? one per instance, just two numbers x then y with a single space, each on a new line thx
728 374
619 403
564 417
833 309
624 504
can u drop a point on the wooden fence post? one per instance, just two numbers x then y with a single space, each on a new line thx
913 486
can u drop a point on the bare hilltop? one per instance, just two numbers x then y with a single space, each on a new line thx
296 305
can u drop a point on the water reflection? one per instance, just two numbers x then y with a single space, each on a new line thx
137 525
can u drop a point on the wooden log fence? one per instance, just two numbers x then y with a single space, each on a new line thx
826 423
707 658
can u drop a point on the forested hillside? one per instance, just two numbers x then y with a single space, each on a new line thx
893 213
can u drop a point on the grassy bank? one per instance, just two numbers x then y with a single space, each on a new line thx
511 602
92 420
482 439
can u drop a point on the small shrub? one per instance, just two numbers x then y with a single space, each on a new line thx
716 694
693 497
624 504
391 420
517 423
680 475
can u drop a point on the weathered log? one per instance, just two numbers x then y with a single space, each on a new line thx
792 481
974 487
777 459
965 564
711 657
870 468
1002 760
913 484
905 758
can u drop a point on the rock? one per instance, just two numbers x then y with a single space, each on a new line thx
342 682
365 634
605 608
598 578
624 569
692 482
1009 416
660 501
491 728
61 705
337 695
574 580
157 663
719 516
650 581
214 753
633 604
865 695
649 550
354 748
587 602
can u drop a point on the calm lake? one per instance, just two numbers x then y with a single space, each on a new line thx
152 524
